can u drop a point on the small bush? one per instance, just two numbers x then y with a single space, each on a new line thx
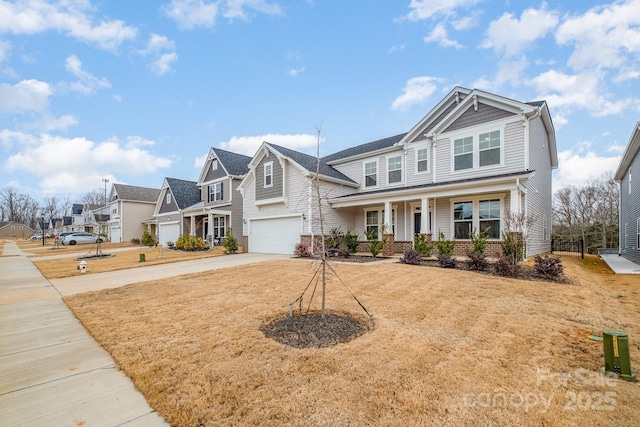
548 267
506 267
335 239
147 239
188 242
135 241
445 246
512 246
351 241
170 244
421 245
230 242
447 261
375 245
302 251
479 241
477 261
411 257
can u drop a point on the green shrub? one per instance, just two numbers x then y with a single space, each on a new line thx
512 247
335 239
421 245
375 245
445 246
170 244
188 242
351 241
479 241
230 242
147 239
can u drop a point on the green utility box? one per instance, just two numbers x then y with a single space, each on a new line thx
616 355
142 258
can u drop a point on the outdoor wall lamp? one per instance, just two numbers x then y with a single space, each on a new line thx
304 217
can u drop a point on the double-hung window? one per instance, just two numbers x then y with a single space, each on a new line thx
373 223
215 192
218 227
489 147
423 160
462 219
395 169
489 216
463 153
268 174
371 174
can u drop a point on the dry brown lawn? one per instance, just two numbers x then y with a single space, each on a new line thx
447 347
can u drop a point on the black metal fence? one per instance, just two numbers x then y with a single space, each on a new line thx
568 247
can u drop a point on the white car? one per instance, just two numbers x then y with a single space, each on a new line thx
80 238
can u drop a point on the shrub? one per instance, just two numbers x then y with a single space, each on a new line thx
548 267
477 261
506 267
479 241
375 245
302 251
135 241
351 241
447 261
445 246
411 257
512 246
335 239
147 239
230 242
188 242
421 245
170 244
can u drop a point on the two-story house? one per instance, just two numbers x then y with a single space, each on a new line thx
477 161
628 175
178 210
128 207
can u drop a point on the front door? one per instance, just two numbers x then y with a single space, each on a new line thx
417 219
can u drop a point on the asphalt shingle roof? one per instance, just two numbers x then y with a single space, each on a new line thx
138 194
365 148
185 193
310 163
235 164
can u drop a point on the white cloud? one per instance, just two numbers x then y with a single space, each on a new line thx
293 72
82 160
576 167
49 123
248 145
191 14
396 49
425 9
158 43
236 8
416 91
9 138
27 95
70 17
439 35
87 83
162 65
511 36
466 22
606 36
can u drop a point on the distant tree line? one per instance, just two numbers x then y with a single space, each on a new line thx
589 212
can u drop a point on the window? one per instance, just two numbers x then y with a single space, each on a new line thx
489 216
168 198
463 153
268 174
374 220
215 192
489 148
218 227
371 174
214 164
373 225
462 219
423 160
395 169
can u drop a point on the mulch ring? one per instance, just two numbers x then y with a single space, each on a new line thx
313 330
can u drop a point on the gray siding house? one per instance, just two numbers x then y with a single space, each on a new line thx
178 210
128 207
628 175
474 162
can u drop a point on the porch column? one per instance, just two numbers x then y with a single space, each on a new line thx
514 206
210 226
424 217
192 226
388 237
387 216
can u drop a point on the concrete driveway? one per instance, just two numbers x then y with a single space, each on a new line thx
52 372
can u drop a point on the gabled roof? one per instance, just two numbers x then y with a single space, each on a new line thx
136 194
633 147
234 163
185 193
364 149
310 163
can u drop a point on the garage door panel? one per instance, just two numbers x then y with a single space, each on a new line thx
274 235
168 233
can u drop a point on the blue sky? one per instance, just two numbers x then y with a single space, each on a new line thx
135 91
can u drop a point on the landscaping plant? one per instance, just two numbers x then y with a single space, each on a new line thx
189 242
147 239
230 243
375 245
421 245
477 259
411 257
548 267
445 251
302 251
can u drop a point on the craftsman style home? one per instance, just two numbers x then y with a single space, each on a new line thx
128 206
628 175
475 162
206 208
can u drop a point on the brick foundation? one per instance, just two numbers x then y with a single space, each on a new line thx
245 244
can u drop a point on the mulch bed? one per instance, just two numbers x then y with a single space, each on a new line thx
313 330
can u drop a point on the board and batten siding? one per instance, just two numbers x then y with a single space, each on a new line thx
539 189
630 212
274 191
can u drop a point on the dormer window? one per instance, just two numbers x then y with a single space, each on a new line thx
168 198
371 174
268 174
214 164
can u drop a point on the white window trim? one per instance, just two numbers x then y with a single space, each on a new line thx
214 164
401 169
213 191
428 150
364 174
475 133
168 198
380 210
475 222
267 164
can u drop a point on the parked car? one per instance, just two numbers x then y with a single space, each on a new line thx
80 237
38 236
60 236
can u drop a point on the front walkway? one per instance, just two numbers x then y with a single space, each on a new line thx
619 264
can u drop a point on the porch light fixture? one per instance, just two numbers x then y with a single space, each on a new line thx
304 217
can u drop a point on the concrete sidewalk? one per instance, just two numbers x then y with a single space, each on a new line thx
619 264
52 372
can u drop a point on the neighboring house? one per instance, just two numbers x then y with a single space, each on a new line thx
206 208
77 219
474 162
95 218
628 175
128 208
14 230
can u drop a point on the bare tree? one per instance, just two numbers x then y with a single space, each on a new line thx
18 207
94 197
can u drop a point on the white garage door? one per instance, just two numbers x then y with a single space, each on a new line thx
115 235
168 233
274 235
